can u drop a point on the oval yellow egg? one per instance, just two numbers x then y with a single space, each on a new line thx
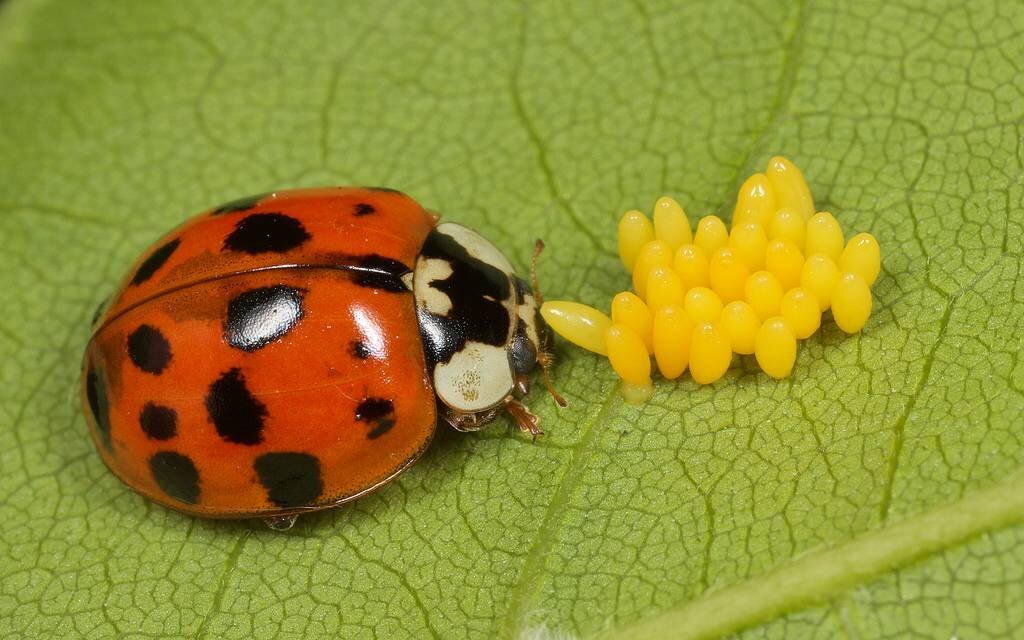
635 230
824 235
691 263
630 311
785 261
764 293
740 323
851 303
653 254
788 225
702 305
579 324
775 348
750 241
790 188
728 274
711 234
755 202
819 276
710 353
800 309
670 223
664 288
672 329
628 356
863 257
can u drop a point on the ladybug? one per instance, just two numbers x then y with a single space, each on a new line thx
292 351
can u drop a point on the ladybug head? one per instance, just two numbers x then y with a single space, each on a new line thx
481 331
532 343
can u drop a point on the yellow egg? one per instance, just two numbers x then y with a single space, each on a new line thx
710 353
628 356
728 274
702 305
635 230
691 263
824 236
750 241
670 223
851 303
863 257
800 309
775 347
653 254
636 393
711 234
672 329
819 276
763 292
784 260
664 288
790 187
630 311
740 323
755 202
788 225
579 324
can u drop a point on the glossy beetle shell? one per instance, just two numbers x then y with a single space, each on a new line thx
264 358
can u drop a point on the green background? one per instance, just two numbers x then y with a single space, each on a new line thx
548 120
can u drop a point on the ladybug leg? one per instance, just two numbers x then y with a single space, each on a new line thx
523 383
545 360
525 420
467 422
281 523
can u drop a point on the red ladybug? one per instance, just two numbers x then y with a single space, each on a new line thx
292 351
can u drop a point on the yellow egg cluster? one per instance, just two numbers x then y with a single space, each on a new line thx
699 296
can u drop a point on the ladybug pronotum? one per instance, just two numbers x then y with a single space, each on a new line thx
293 351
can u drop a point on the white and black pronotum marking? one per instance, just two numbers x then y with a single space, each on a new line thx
478 320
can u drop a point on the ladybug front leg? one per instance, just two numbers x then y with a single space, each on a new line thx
524 418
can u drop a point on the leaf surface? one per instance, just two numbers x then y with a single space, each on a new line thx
832 504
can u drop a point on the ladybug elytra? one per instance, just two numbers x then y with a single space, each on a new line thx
293 351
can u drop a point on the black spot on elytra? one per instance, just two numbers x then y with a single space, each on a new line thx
176 475
291 479
259 316
378 272
241 204
363 209
149 349
476 290
99 405
378 413
155 261
234 411
158 422
266 232
360 350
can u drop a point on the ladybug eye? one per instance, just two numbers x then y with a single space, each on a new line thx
523 352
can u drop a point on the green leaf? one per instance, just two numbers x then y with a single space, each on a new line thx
877 492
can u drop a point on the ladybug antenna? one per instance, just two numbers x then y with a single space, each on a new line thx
544 359
537 248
